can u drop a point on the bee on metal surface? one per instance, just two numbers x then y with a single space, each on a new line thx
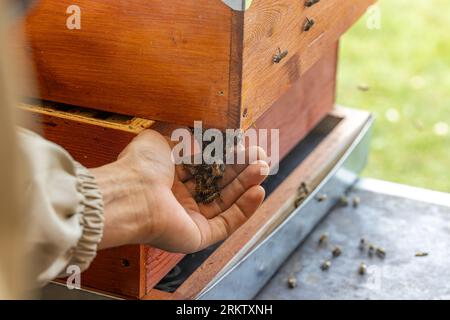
362 244
323 239
343 201
337 251
362 269
380 252
322 198
292 282
421 254
356 202
325 265
371 250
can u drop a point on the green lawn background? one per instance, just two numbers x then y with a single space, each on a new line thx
405 65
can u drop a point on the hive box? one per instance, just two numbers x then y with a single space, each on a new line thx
182 60
95 138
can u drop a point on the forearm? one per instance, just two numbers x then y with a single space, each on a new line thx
123 200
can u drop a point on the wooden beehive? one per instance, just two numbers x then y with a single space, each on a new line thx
95 138
176 62
182 60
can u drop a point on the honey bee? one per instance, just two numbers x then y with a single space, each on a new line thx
371 250
380 253
343 201
421 254
325 265
303 189
323 239
292 282
337 251
310 3
308 24
302 194
191 168
362 244
217 170
210 198
280 56
362 269
321 198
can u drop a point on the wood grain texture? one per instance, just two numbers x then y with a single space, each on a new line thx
269 25
179 61
311 171
118 271
163 60
302 107
94 139
157 265
91 141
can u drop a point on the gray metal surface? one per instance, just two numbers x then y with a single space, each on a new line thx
388 216
248 276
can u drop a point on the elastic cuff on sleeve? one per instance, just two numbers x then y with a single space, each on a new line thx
91 219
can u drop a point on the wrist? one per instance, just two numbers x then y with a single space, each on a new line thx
125 205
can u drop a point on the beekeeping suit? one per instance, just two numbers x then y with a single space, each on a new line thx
51 213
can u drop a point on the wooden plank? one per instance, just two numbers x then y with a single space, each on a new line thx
91 137
269 25
118 271
163 60
302 107
311 171
157 265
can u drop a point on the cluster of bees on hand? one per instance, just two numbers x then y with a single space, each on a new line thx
209 173
207 178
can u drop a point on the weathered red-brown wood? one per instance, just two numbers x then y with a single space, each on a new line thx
181 60
162 60
272 25
303 106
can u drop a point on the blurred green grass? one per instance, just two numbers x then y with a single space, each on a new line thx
406 67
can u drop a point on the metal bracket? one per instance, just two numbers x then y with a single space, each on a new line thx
238 5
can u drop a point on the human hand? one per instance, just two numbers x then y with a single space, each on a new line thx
149 200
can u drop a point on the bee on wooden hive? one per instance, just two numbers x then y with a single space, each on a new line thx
308 24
